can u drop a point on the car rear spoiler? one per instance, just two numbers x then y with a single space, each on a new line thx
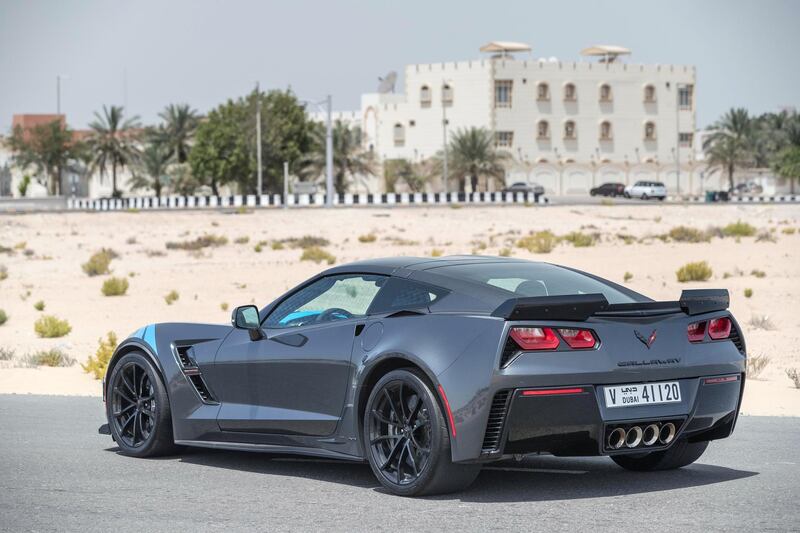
578 307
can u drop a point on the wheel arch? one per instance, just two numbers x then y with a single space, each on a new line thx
128 346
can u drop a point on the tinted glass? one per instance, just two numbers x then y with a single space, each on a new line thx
330 298
536 279
398 294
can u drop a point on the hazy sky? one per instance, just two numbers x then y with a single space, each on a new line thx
747 53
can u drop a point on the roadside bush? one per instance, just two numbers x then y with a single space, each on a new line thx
627 277
687 234
98 263
277 245
39 306
698 271
579 240
748 293
788 231
794 375
171 297
98 363
241 240
52 357
739 229
762 322
318 255
6 354
369 237
3 317
306 241
540 242
437 252
205 241
765 236
758 273
505 252
755 365
115 287
49 327
3 272
224 306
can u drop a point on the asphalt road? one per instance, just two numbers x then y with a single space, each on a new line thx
58 474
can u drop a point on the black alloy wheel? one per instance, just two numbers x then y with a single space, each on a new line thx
400 432
133 405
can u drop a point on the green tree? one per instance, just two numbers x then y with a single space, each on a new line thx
113 143
225 144
150 170
349 157
472 154
49 149
787 164
177 132
221 152
415 175
732 144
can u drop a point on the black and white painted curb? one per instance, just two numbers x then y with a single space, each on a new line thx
774 199
302 200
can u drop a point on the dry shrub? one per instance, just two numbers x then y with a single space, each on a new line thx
97 364
369 237
540 242
49 326
762 322
739 229
52 357
698 271
171 297
98 263
318 255
115 286
687 234
756 365
205 241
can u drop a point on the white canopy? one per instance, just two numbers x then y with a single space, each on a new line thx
605 50
505 47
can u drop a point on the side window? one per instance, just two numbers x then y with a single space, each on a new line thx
399 294
330 298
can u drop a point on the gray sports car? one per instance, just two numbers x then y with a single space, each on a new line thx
428 368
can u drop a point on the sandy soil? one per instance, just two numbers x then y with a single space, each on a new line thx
235 274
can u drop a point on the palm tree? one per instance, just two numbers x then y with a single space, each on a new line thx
177 133
113 142
349 157
150 171
473 154
731 144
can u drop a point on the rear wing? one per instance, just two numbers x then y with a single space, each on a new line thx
578 307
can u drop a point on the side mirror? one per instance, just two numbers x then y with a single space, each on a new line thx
246 317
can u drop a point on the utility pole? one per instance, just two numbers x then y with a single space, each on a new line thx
258 138
285 184
445 173
678 136
329 155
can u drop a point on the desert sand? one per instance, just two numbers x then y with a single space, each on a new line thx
234 274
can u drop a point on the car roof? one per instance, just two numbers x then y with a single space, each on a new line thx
392 265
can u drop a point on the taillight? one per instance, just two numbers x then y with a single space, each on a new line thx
697 331
578 338
535 338
719 328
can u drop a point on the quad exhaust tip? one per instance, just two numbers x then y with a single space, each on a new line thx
667 433
650 435
616 439
634 437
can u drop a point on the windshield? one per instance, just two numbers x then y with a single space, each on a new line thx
537 279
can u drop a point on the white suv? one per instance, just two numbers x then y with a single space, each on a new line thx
646 189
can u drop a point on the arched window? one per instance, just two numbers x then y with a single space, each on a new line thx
543 92
570 93
649 131
568 161
649 94
569 130
606 133
541 160
447 95
425 96
605 93
543 130
399 135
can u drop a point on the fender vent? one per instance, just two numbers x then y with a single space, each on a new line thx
201 388
509 350
184 356
494 427
736 338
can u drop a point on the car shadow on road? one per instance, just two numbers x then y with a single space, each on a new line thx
542 478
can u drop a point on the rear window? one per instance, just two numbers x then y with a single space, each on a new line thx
403 294
537 279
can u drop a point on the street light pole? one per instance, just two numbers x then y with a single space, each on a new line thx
258 139
58 94
678 136
329 155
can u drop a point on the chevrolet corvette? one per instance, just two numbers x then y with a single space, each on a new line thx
428 368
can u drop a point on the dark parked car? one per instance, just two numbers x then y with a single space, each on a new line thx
429 368
608 189
523 187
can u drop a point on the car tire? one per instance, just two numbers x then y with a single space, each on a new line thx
682 453
644 196
382 436
137 408
626 195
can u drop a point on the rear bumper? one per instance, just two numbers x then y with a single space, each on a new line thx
577 422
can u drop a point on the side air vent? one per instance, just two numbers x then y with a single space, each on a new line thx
509 350
494 427
183 356
201 388
736 338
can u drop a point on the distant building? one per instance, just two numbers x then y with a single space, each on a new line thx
568 125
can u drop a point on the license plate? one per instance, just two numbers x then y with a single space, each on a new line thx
642 394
